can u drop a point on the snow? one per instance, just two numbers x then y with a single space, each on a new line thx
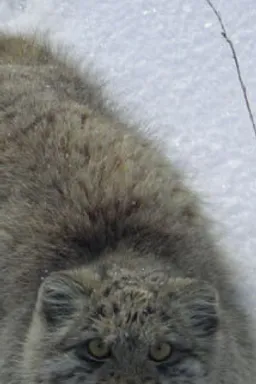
168 67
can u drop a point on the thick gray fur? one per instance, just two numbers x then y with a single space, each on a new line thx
100 237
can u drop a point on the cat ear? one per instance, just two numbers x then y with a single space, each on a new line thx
203 310
59 297
198 303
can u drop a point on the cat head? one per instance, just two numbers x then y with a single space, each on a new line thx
118 328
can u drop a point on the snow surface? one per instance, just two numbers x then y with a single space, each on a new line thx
168 67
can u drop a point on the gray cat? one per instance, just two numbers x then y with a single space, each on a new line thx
108 270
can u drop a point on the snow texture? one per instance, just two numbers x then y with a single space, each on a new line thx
167 67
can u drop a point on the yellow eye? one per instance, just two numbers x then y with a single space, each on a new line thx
160 352
98 349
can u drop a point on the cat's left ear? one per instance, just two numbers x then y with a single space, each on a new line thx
198 303
203 310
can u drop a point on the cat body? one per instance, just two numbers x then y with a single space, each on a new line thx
108 271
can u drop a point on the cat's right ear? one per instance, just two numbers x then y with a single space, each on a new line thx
59 297
199 304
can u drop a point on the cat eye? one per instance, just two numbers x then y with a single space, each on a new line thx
94 349
160 352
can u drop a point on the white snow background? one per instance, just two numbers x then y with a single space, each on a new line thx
167 66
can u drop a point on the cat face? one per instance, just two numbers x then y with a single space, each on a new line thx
122 329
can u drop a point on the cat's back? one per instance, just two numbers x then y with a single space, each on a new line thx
74 178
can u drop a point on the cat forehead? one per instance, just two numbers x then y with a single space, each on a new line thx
124 294
126 289
130 311
123 287
130 307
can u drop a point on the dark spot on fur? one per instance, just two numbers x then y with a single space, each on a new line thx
116 309
9 115
165 318
50 117
134 317
106 291
148 311
101 311
84 117
128 317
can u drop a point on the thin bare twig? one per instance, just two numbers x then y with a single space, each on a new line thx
226 37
